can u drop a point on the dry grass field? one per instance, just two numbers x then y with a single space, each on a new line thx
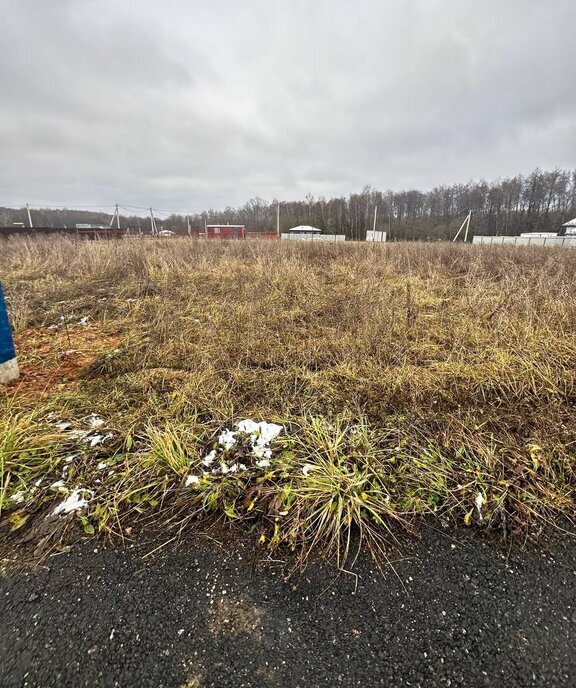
406 381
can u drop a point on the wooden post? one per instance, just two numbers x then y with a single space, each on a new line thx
8 363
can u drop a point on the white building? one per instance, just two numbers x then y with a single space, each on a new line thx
375 235
308 233
569 228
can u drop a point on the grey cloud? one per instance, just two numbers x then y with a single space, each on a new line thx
186 104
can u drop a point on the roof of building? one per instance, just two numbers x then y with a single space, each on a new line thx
304 228
570 223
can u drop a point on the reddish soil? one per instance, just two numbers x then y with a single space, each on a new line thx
50 358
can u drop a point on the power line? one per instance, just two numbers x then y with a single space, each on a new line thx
110 207
57 206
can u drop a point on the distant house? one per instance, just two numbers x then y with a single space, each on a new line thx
308 233
568 228
305 229
225 232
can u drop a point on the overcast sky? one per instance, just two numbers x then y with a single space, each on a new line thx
188 104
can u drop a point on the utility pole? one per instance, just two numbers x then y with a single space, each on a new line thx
465 223
389 216
29 216
188 224
278 219
152 222
115 217
374 225
467 226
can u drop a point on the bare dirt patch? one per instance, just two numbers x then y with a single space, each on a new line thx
54 357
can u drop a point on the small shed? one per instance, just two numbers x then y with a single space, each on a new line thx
225 232
305 229
568 228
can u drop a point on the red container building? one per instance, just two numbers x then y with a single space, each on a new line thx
225 232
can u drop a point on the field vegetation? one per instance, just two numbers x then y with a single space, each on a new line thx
391 383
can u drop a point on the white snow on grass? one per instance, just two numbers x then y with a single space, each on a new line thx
95 421
95 440
209 459
261 435
227 439
74 502
479 501
191 480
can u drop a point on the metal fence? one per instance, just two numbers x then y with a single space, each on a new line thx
565 242
294 236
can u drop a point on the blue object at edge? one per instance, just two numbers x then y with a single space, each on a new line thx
7 351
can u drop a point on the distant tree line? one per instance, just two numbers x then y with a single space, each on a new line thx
540 201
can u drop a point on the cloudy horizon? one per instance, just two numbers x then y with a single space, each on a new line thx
189 105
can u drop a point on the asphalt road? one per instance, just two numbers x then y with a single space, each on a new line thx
459 613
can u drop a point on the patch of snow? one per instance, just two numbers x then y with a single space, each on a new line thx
191 480
260 435
38 483
18 497
102 465
74 502
209 459
84 321
479 501
94 440
58 483
95 421
63 426
70 458
227 439
306 469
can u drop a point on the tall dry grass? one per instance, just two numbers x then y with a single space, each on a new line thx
461 360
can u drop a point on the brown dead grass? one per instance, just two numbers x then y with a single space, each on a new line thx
457 363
